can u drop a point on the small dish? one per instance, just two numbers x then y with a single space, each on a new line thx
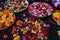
16 5
56 16
6 19
40 9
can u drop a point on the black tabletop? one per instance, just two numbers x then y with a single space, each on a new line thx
52 32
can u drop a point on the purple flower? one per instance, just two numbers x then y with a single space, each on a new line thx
56 3
23 38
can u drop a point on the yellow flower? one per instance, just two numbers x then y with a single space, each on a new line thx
34 32
24 30
10 3
17 38
1 13
1 22
37 24
56 14
14 35
4 17
58 33
10 18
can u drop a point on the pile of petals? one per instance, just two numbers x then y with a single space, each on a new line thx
16 5
7 18
32 29
40 9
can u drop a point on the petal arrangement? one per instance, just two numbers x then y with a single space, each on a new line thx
40 9
7 18
16 5
32 27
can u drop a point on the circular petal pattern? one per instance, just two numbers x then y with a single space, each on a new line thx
6 19
16 5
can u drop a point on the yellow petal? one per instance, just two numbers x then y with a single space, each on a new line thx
4 17
33 31
37 24
10 18
58 33
1 13
14 35
17 38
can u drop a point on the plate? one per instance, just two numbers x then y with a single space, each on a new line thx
56 16
16 5
6 19
40 9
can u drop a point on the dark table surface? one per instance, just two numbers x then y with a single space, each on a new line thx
52 33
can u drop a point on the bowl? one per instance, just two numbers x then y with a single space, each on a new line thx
56 16
16 6
40 9
7 18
